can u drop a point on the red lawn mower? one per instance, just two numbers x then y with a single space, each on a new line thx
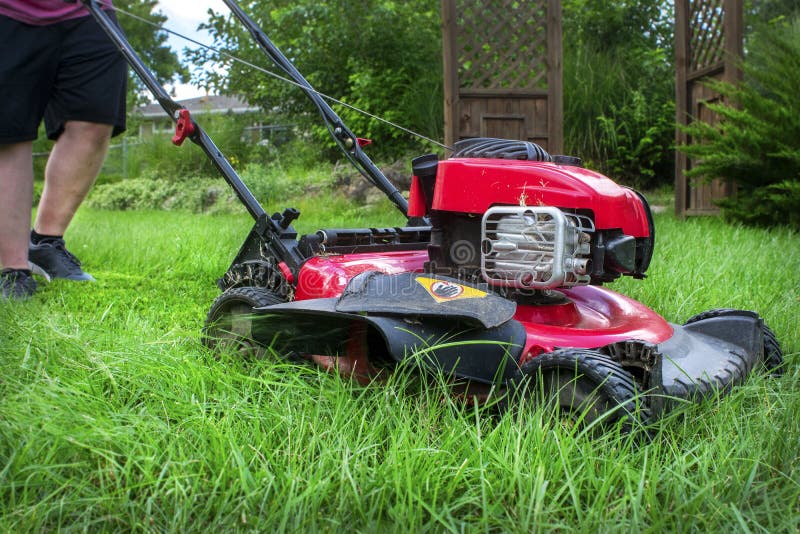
495 283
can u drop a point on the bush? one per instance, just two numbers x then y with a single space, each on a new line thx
618 89
149 193
771 205
755 144
271 185
636 141
156 154
275 184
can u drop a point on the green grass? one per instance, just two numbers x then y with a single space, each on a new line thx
113 416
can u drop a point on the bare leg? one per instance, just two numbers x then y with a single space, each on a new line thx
16 190
71 170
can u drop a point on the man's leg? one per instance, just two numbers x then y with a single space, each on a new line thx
16 190
71 170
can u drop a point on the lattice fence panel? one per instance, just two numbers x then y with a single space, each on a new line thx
502 65
505 45
706 34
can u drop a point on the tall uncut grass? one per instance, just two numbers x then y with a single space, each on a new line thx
113 416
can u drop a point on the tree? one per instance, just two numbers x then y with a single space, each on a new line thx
151 45
760 12
379 55
756 141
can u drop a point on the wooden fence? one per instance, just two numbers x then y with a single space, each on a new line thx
708 45
502 69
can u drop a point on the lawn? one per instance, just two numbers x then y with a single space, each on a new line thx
113 416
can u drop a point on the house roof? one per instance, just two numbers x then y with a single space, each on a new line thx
202 104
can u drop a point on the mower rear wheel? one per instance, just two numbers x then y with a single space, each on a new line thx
773 354
585 386
229 324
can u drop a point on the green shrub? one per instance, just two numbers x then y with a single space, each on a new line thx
755 144
767 206
157 155
272 185
149 193
618 89
636 141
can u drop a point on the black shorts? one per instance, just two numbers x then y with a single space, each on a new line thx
65 71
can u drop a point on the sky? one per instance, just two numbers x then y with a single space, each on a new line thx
183 16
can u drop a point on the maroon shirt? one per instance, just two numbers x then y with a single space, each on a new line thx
43 12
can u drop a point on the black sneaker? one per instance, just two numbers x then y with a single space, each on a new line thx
51 259
16 284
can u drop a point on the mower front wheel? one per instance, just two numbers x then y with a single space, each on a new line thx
584 386
773 354
229 324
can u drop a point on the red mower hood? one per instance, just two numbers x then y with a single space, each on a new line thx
472 185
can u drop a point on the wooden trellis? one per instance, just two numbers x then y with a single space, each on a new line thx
502 65
708 45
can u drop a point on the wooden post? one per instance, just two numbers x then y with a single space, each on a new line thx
734 32
555 84
450 58
681 101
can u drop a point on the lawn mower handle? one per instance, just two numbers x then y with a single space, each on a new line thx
345 138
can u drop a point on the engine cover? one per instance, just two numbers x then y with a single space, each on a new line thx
469 185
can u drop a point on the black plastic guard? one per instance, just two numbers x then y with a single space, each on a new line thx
710 356
447 345
487 355
424 295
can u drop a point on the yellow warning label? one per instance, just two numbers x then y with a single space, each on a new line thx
443 290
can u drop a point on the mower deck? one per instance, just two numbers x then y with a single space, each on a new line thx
401 319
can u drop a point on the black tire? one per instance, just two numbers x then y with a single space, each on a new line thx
708 314
585 386
229 323
773 354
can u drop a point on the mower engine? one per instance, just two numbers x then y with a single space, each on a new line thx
535 248
508 214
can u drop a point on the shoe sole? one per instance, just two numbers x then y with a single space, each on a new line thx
35 269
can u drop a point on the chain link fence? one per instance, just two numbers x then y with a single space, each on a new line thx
115 164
